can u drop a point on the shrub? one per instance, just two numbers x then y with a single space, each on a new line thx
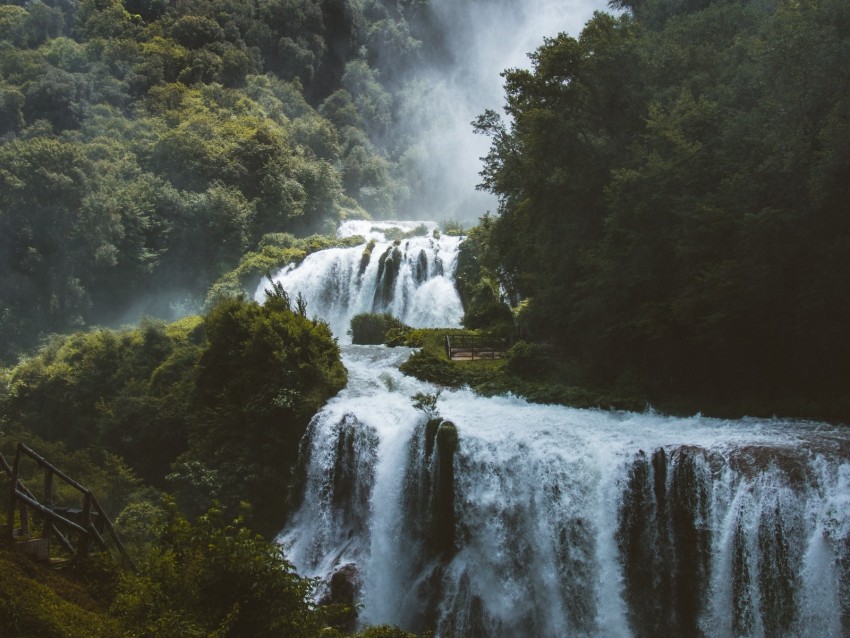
452 228
527 360
214 577
397 234
221 402
427 366
373 329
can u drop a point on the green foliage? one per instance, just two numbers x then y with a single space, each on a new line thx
275 251
265 371
371 328
477 281
527 360
452 228
36 601
214 577
108 477
397 234
427 403
427 366
384 631
143 152
669 204
560 380
216 405
125 391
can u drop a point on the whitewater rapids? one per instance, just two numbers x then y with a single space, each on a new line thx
551 521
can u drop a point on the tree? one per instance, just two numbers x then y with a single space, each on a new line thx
668 190
214 577
48 242
266 371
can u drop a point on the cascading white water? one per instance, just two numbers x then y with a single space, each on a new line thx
552 521
410 278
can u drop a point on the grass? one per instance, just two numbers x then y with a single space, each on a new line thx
551 383
553 380
41 602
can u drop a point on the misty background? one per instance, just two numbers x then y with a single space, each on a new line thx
479 40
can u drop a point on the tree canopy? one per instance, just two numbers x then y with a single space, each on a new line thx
146 146
673 191
209 408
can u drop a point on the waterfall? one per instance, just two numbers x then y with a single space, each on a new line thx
411 278
498 517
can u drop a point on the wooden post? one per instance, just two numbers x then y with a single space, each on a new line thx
13 484
86 524
48 502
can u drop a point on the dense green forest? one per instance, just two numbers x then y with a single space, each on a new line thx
674 191
146 145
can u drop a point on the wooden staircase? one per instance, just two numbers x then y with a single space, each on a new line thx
76 530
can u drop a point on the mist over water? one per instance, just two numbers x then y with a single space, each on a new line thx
482 39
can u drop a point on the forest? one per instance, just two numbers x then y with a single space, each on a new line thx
672 227
673 188
146 146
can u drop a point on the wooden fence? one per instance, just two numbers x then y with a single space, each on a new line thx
76 529
473 347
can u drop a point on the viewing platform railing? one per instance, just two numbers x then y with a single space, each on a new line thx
473 347
76 529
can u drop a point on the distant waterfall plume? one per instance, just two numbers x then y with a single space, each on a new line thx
504 518
411 278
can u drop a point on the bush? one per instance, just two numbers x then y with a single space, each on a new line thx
398 234
527 360
220 402
427 366
267 369
374 328
452 228
214 577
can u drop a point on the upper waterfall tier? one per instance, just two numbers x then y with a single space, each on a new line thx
406 269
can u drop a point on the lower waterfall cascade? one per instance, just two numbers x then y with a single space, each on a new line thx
499 517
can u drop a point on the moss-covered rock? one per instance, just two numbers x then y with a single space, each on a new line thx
366 257
447 439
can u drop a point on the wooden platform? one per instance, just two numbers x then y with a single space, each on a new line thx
473 348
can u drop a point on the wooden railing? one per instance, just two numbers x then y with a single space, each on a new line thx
472 347
87 525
